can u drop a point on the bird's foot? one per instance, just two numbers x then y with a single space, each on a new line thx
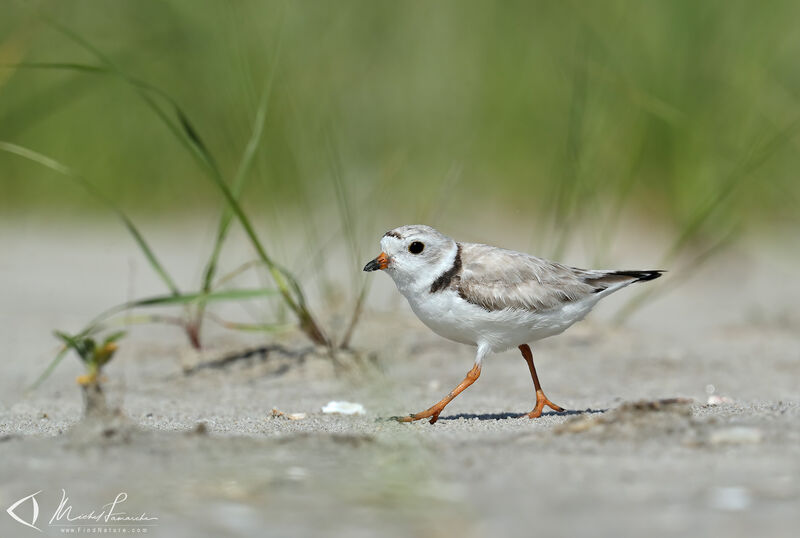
541 401
433 412
433 415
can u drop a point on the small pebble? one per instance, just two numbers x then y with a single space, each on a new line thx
291 416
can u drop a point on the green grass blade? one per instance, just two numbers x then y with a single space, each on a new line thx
181 299
69 66
108 202
256 327
568 189
242 173
749 165
283 279
183 129
678 277
214 296
735 179
343 200
187 135
355 317
142 319
349 225
50 367
238 184
287 285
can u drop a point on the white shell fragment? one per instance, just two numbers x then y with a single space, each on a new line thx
344 408
730 499
718 400
737 435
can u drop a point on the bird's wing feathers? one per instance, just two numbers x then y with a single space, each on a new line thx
496 279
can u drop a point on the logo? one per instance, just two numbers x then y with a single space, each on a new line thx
107 518
18 519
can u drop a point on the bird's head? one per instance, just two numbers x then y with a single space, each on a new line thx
414 253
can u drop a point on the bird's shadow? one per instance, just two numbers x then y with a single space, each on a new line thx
505 416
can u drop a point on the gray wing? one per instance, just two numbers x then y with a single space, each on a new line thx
495 279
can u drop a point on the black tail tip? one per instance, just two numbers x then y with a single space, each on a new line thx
642 276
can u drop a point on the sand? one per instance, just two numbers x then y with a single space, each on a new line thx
204 454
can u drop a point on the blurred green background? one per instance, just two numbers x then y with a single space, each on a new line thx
679 111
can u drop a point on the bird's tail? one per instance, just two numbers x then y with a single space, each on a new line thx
640 276
614 280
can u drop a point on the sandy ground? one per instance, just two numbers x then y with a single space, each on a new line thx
604 468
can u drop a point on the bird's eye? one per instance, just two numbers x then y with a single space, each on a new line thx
416 247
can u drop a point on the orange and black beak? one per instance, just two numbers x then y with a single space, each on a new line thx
381 262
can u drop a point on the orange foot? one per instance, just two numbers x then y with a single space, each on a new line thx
541 401
434 416
433 411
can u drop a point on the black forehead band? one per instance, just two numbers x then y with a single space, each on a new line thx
392 233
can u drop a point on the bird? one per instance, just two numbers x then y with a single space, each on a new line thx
490 297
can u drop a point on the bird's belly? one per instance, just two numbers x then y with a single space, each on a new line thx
450 316
443 314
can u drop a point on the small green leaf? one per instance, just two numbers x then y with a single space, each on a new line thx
113 337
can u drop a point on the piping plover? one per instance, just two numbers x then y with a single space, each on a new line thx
490 297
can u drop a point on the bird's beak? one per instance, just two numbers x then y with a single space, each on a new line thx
381 262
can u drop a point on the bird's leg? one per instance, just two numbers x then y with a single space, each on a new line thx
433 411
541 399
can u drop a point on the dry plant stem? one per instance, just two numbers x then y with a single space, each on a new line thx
541 399
311 328
357 311
193 333
263 352
433 411
94 400
235 273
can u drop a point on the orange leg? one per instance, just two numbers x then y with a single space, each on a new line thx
433 411
541 399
